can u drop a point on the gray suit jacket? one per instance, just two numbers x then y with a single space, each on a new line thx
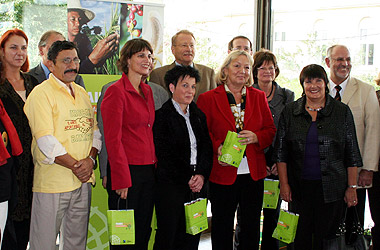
362 100
38 73
206 83
160 96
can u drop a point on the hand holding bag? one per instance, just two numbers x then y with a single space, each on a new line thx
196 216
355 239
121 226
232 150
286 227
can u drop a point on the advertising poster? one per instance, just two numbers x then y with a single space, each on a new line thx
99 29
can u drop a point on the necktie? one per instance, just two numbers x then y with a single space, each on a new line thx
337 96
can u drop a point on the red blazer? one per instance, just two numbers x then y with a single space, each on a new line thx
128 122
257 119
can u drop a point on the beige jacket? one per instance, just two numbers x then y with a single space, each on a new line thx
206 83
362 100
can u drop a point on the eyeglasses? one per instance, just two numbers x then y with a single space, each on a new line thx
68 60
267 69
185 46
246 49
341 59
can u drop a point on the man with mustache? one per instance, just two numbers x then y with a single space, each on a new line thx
41 71
362 100
183 49
66 141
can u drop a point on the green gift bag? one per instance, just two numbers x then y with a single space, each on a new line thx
286 227
232 150
121 226
196 216
271 193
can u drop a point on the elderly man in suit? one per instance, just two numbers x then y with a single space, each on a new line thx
362 100
41 71
183 49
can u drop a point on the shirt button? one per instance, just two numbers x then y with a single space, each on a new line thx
148 125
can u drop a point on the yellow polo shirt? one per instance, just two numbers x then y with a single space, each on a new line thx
51 110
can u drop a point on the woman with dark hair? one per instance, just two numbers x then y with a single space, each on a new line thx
317 155
128 117
238 107
184 159
265 71
13 92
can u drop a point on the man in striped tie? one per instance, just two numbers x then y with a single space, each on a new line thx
362 100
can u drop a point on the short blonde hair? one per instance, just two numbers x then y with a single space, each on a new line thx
185 32
221 77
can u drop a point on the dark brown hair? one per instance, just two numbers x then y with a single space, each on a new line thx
313 71
261 56
129 49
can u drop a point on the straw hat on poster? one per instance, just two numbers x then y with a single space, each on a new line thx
75 5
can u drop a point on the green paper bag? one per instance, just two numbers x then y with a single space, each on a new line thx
286 227
271 193
232 150
121 227
196 216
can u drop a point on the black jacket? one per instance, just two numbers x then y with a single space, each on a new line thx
172 142
338 147
14 105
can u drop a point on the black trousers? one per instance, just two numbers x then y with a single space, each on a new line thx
374 202
269 224
140 198
171 224
246 193
317 220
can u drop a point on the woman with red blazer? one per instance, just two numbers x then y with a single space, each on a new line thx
236 106
128 117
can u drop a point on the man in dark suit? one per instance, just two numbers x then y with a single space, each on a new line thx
41 71
183 49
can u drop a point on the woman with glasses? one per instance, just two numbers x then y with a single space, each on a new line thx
265 71
128 116
13 92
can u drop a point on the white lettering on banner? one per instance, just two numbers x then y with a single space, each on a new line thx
94 97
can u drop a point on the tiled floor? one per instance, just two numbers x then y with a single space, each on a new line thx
205 242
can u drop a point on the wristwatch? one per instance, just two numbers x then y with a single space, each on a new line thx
93 160
352 186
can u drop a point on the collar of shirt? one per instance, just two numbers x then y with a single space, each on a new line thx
46 70
63 84
332 87
178 64
179 110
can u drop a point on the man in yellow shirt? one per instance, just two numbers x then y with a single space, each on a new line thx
65 143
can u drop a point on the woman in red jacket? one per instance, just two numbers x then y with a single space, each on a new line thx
128 117
236 106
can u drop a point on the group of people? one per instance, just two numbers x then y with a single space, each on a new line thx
159 141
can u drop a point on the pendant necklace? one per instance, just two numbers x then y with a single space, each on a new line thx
270 92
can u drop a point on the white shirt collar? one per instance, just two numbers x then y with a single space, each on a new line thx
342 85
63 84
178 64
179 110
